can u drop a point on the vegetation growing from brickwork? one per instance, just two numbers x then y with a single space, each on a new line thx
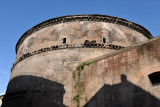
78 83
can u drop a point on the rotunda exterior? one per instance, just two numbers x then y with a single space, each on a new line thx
49 53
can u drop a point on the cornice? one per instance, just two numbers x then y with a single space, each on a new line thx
58 47
90 17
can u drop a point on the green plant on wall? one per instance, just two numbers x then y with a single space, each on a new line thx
78 84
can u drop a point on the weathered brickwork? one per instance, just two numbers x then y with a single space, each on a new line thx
77 33
57 47
76 18
49 69
121 79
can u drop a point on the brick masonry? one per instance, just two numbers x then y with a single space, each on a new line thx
44 66
121 78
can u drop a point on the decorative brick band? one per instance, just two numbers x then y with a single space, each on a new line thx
96 18
115 47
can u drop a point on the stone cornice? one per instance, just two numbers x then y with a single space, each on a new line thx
57 47
92 17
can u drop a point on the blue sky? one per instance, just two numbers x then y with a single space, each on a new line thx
17 16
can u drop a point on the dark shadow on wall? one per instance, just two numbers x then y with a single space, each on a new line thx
124 94
32 91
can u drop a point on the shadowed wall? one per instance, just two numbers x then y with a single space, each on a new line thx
121 79
124 94
31 91
49 53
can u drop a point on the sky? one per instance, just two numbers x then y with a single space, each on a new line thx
18 16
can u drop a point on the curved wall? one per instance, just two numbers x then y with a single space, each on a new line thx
56 66
77 33
44 64
89 17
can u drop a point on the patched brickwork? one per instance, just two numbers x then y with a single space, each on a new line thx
52 57
90 17
122 78
77 33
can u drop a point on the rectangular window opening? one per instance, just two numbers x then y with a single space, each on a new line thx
155 78
64 40
104 40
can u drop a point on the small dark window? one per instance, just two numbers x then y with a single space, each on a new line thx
104 39
155 78
64 40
